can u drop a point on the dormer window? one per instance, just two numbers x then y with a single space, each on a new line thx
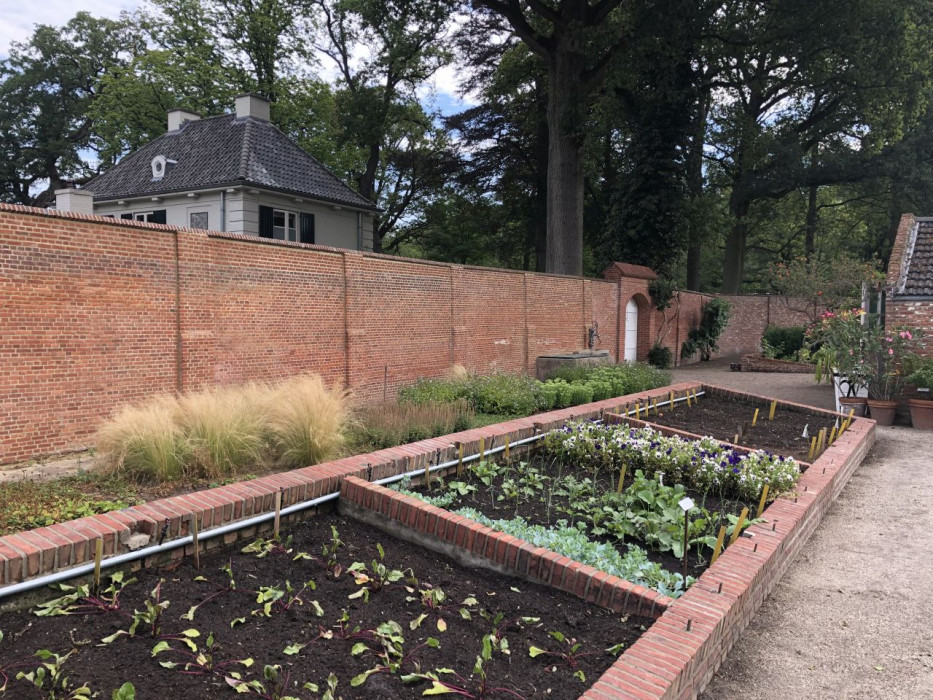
161 167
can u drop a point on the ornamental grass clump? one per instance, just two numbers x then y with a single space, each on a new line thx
224 430
144 442
307 421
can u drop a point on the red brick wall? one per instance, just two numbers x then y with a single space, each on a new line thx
750 316
89 323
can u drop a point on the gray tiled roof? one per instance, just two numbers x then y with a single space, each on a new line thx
919 279
225 151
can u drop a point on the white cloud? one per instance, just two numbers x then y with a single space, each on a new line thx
18 19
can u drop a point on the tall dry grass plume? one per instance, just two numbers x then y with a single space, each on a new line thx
144 442
391 424
307 421
224 430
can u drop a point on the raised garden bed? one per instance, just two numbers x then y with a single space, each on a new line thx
673 658
760 363
304 633
723 417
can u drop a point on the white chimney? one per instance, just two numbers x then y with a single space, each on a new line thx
250 105
78 201
177 118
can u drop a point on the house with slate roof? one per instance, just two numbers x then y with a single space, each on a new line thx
909 280
236 173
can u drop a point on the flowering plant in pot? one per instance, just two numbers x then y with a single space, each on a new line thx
889 351
921 409
836 342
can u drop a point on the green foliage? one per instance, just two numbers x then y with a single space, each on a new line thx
505 394
783 342
435 391
922 374
570 541
713 323
50 678
388 425
662 291
660 356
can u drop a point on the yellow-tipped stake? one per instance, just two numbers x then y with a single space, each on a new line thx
812 448
621 479
427 472
459 459
735 439
821 442
482 448
506 451
832 436
761 503
738 526
755 418
687 394
196 547
771 412
637 412
718 548
672 400
654 403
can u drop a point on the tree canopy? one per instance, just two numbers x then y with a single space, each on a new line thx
710 140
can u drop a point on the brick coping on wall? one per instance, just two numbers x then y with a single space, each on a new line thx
668 661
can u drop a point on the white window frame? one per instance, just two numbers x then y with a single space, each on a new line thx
143 216
286 232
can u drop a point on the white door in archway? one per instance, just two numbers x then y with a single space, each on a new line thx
631 330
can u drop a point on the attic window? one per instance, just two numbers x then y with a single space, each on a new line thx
161 166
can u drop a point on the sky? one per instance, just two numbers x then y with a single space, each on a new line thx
18 18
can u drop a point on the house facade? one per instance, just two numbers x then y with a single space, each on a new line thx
236 173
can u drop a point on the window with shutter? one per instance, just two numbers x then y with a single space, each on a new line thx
265 221
307 228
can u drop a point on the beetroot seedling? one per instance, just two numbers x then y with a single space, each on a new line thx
393 658
328 558
464 687
272 686
50 677
568 652
377 576
273 598
79 601
198 661
433 599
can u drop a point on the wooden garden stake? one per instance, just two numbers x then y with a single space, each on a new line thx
771 412
821 443
459 459
812 448
832 435
687 394
672 400
654 403
621 478
718 548
637 412
278 513
755 418
761 503
482 448
506 451
686 504
98 554
735 439
427 473
194 531
738 526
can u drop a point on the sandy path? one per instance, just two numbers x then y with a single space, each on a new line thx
853 617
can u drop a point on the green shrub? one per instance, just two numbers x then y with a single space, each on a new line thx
713 323
549 394
785 342
660 356
505 394
435 390
601 389
387 425
580 394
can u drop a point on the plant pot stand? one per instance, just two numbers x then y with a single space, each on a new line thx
858 404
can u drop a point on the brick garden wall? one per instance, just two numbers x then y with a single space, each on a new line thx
88 318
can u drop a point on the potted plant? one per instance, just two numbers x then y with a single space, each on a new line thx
836 342
888 352
921 409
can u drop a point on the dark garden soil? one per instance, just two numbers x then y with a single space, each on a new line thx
723 417
546 508
264 639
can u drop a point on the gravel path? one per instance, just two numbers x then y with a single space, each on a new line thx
852 617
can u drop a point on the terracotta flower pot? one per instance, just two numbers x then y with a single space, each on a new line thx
848 403
921 413
882 411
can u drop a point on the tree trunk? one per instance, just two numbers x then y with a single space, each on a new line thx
565 165
540 179
733 266
694 167
809 245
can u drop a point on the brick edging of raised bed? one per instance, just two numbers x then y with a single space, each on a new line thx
469 542
28 554
671 662
758 363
